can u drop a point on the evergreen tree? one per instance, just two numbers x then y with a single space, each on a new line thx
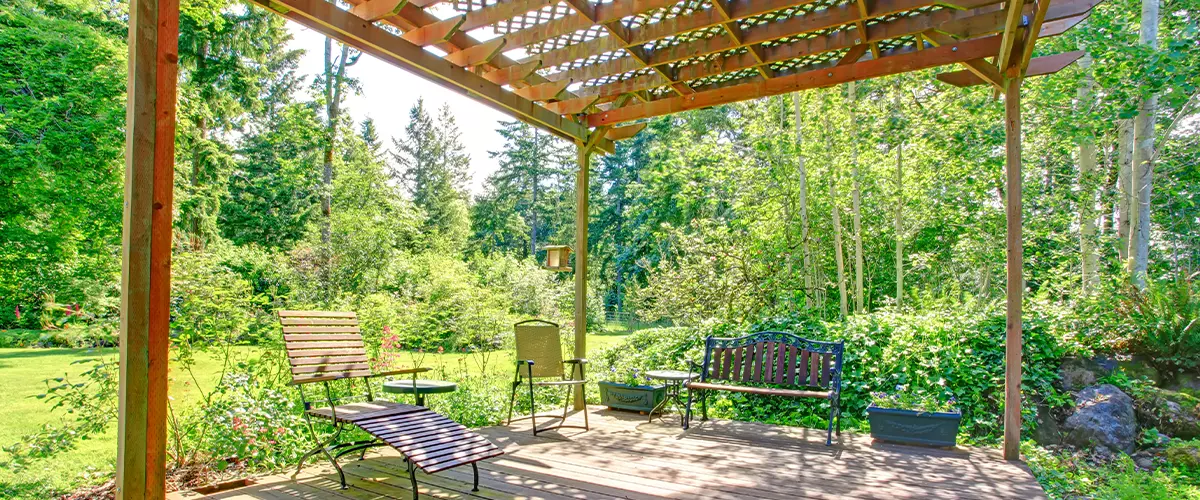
432 166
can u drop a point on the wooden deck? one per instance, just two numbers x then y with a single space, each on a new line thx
625 457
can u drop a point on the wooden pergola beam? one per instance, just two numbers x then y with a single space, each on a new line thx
1012 23
543 91
331 21
503 11
622 133
979 67
476 55
512 74
939 56
433 34
1037 66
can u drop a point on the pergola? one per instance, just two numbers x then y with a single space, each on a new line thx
591 72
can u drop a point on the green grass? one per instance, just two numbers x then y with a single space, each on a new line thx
24 370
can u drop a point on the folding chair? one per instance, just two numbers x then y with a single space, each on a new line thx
539 353
326 346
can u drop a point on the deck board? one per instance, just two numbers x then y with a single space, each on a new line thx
624 457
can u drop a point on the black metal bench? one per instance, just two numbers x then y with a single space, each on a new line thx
770 364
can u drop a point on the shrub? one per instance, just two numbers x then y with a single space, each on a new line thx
1163 322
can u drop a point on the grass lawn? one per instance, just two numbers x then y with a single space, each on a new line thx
24 371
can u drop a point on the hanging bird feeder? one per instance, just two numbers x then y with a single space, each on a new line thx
557 258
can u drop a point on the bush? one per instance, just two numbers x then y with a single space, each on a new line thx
943 354
1163 322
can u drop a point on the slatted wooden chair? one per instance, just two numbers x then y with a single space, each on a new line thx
326 347
539 351
770 364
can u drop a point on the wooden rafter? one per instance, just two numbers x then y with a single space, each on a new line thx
844 40
902 63
980 67
435 33
331 21
1035 26
622 133
512 74
1012 24
374 10
1037 66
502 11
543 91
476 55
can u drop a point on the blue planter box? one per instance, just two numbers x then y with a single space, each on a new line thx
914 427
631 397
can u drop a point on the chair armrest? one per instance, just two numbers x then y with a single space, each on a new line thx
404 371
580 361
525 361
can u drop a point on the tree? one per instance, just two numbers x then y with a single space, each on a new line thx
534 177
1089 259
852 99
1143 157
432 165
62 94
335 82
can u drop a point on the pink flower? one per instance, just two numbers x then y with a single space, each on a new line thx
441 350
17 310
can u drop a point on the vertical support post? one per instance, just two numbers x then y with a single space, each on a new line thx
581 256
146 248
1016 282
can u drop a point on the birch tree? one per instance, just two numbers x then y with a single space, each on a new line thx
1143 155
803 184
856 195
1087 187
837 218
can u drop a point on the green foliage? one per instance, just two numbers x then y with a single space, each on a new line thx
433 166
90 406
62 75
903 399
1163 322
650 349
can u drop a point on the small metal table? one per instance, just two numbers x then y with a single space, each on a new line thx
674 380
419 388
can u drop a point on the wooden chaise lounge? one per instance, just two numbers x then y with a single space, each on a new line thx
325 347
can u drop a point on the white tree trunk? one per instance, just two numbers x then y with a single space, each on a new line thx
855 202
837 217
1143 154
899 215
1124 186
1087 190
803 178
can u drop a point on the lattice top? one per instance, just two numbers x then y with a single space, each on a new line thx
592 62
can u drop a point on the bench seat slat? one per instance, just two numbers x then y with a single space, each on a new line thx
762 391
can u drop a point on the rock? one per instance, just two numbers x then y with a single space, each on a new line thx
1147 459
1188 383
1140 367
1047 432
1076 373
1185 456
1173 413
1103 416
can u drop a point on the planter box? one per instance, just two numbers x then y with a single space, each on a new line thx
914 427
631 397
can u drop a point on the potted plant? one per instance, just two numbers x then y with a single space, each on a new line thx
913 418
629 389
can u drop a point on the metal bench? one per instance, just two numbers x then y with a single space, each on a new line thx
326 346
770 364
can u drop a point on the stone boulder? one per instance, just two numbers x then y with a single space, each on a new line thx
1076 373
1103 416
1140 367
1047 432
1173 413
1186 456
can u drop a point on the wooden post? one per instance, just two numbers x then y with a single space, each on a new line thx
1016 282
146 248
581 256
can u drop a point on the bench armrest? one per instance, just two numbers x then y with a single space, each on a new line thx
403 371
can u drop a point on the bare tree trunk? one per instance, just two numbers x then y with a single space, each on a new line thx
331 111
1124 186
1143 155
196 239
837 218
855 202
1087 191
899 215
803 178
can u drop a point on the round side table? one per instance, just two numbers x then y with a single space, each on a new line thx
419 388
674 380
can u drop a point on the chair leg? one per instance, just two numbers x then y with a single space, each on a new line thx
839 418
412 478
585 409
687 412
475 472
832 413
512 398
532 408
703 406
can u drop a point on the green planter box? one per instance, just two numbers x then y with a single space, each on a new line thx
631 397
914 427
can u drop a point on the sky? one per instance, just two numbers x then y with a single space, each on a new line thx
388 92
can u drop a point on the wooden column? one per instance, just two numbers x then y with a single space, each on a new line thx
146 248
581 256
1016 282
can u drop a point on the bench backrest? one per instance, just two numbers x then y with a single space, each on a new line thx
323 345
779 358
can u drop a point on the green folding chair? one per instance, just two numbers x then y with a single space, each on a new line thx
539 356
